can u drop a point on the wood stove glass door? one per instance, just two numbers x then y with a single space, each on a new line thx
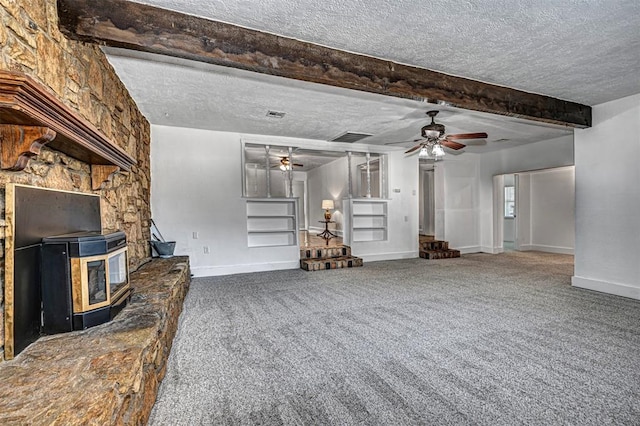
89 286
97 281
118 274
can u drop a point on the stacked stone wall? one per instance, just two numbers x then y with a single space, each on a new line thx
82 78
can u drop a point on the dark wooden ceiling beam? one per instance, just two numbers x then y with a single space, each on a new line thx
140 27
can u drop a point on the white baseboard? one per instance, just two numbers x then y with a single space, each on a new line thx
388 256
468 249
606 287
548 249
212 271
492 250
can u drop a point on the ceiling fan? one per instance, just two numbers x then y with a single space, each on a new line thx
285 164
432 141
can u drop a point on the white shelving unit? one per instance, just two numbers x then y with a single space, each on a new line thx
367 219
272 222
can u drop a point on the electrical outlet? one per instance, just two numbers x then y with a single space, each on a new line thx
195 235
406 218
206 249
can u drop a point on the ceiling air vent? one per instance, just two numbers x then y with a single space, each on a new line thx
275 114
350 137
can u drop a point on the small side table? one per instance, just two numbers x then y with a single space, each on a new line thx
326 234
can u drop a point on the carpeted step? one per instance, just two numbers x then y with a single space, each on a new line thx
439 254
325 252
330 263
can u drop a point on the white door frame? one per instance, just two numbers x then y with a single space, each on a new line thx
498 214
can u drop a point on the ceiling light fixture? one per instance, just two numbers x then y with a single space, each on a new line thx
437 150
431 150
424 152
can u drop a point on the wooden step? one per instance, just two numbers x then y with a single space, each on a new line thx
315 264
434 245
325 252
439 254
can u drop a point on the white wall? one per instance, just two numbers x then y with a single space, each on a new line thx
457 206
546 154
197 187
550 199
608 200
402 213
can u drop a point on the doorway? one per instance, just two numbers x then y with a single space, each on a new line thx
535 210
509 213
426 200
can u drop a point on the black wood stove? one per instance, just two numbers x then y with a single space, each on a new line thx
85 280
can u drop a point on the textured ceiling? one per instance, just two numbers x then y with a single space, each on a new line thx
181 93
586 51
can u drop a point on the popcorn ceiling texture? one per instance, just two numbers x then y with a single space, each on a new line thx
82 78
584 52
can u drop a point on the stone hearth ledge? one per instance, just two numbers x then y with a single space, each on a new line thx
105 375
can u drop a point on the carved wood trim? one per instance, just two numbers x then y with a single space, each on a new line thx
101 174
19 143
25 102
144 28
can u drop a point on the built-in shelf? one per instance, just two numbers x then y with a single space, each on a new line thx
31 117
272 222
366 219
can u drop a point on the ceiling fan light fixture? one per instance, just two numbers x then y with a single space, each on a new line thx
431 134
438 151
424 152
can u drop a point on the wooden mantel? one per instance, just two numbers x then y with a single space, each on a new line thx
32 117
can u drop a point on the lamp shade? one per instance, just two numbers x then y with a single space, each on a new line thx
327 204
438 151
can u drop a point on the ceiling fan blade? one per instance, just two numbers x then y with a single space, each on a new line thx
453 151
396 143
298 165
480 135
413 149
452 144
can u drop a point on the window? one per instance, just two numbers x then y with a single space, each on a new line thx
509 201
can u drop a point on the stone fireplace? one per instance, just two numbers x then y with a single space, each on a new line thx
79 76
39 386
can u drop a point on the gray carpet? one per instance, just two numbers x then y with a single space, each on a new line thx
484 339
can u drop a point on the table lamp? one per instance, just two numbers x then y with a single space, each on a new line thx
327 205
